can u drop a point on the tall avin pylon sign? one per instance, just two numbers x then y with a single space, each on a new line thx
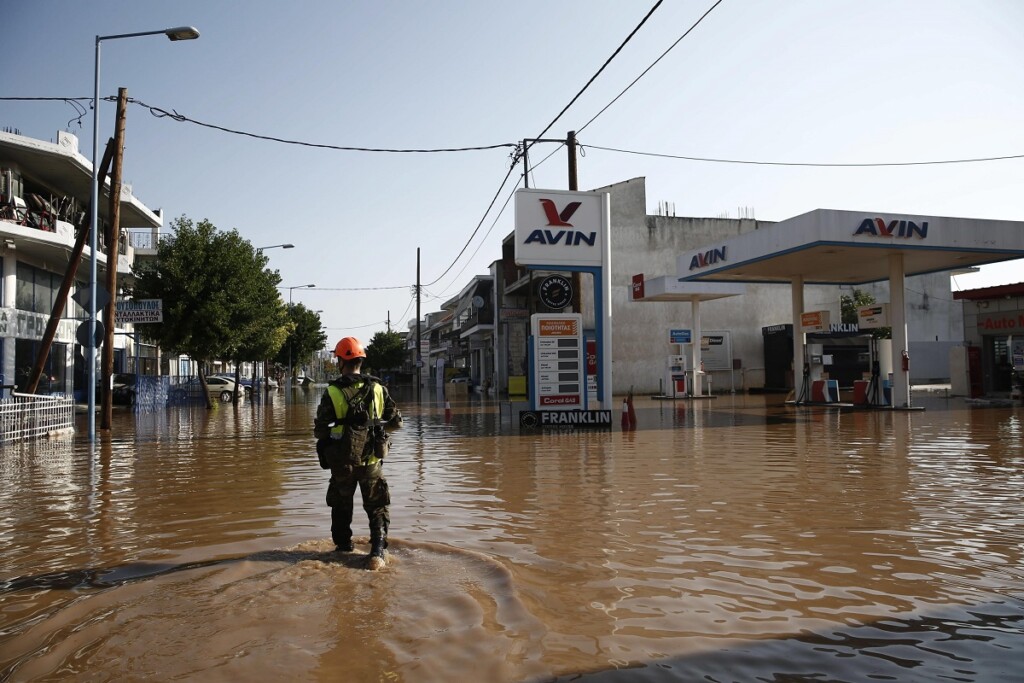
567 231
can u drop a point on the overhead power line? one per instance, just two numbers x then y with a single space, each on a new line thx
163 113
477 228
582 147
876 164
357 289
175 116
644 72
603 66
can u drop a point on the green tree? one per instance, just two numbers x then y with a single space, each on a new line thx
386 351
848 305
218 297
262 322
306 335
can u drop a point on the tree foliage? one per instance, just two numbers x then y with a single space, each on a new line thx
219 299
305 335
386 351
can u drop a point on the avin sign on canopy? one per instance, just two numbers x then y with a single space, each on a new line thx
559 228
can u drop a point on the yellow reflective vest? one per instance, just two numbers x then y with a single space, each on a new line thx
341 397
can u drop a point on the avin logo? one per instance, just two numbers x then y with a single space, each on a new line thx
559 219
569 238
894 228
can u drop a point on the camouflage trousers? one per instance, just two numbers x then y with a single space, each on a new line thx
376 499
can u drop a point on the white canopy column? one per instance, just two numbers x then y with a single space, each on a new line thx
698 376
797 296
898 319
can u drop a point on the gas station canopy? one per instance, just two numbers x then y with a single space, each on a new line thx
852 247
667 288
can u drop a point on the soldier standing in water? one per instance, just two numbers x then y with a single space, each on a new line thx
352 424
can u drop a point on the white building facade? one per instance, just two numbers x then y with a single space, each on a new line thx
44 197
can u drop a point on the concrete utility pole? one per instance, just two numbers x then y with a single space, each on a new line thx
113 238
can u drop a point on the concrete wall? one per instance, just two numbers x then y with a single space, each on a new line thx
649 245
932 315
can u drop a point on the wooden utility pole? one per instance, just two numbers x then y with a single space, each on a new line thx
113 250
419 358
577 286
526 164
570 143
65 287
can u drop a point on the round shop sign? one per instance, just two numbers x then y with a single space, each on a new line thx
556 292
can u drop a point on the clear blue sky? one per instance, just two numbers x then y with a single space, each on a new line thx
797 80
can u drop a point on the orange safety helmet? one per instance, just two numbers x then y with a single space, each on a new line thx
349 348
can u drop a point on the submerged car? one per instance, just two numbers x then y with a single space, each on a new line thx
246 382
122 389
219 388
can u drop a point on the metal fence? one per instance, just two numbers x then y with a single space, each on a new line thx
31 416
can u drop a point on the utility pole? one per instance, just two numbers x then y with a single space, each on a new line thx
419 358
389 322
577 286
570 143
69 278
526 164
113 238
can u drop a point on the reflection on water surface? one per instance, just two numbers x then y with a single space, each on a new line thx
735 539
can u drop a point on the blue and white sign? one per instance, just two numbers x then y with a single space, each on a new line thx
679 337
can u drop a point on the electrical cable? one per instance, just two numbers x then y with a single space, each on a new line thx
483 239
357 289
644 72
477 228
1006 157
603 66
809 164
174 115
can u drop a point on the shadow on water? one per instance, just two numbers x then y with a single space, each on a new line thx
118 575
965 645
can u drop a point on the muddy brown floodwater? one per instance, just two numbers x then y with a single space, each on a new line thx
734 539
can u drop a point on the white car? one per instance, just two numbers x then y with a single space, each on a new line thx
219 388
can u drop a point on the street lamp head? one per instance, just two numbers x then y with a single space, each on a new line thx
259 250
182 33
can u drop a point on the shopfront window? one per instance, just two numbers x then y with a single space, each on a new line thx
36 289
54 373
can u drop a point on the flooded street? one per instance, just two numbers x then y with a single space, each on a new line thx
734 539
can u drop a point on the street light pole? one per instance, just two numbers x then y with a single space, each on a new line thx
266 363
290 289
174 34
259 250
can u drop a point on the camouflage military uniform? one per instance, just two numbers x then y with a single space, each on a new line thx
345 476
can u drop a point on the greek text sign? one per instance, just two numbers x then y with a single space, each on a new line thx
814 321
28 325
559 368
141 311
873 316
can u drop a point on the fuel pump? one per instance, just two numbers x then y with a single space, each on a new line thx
677 376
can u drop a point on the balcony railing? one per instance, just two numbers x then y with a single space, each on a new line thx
147 239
